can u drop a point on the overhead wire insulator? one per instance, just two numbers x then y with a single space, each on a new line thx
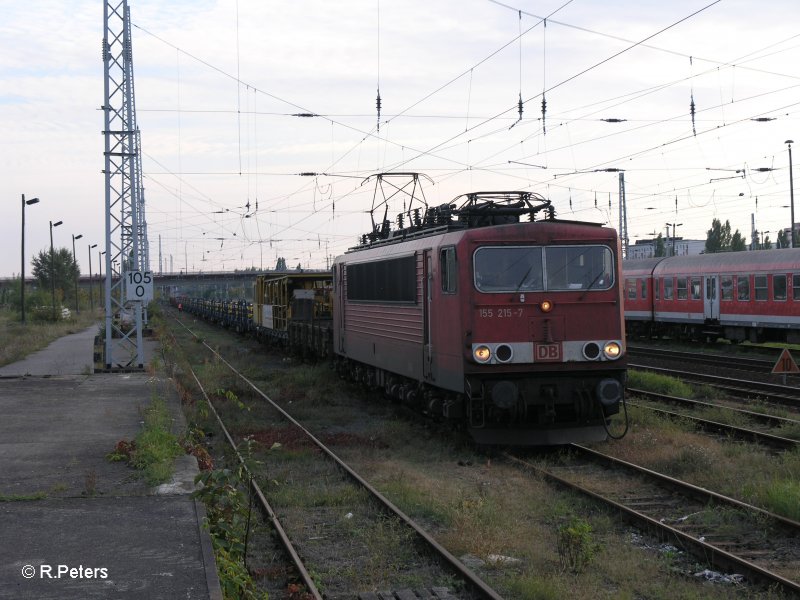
692 112
544 112
519 106
378 106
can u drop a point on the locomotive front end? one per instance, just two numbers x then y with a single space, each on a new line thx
544 334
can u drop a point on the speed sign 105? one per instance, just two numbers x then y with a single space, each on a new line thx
139 286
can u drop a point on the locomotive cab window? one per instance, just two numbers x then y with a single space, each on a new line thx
579 267
448 269
509 269
533 268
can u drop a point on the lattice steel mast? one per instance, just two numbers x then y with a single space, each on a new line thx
126 231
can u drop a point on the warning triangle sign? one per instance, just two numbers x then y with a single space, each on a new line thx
785 363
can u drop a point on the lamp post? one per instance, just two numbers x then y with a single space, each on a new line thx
22 267
673 225
791 193
91 281
75 260
53 267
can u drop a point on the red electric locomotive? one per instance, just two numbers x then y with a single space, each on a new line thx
472 314
738 296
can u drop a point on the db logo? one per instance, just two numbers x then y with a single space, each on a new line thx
547 352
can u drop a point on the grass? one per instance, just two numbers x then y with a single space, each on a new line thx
659 384
156 446
22 497
18 341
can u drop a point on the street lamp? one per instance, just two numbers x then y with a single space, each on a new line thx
53 267
91 281
75 260
22 268
791 192
673 225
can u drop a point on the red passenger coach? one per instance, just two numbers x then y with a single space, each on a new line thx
738 296
513 327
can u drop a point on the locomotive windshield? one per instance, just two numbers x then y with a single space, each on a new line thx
537 268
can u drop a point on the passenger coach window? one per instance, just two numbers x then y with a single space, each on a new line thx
683 293
761 287
796 286
694 282
448 270
630 284
727 287
779 287
644 289
668 288
743 288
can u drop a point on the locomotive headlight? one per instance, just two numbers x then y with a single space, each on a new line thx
546 306
482 354
612 350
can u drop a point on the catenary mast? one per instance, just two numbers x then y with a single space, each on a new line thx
126 230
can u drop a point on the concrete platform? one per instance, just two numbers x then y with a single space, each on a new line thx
64 506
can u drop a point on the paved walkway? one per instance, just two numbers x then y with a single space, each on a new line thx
73 524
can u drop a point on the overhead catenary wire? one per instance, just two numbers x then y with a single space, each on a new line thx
320 206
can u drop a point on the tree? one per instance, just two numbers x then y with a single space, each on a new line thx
660 248
737 242
281 264
64 270
783 239
720 239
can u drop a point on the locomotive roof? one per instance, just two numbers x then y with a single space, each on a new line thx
560 231
785 259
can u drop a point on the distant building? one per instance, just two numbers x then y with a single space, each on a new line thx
674 247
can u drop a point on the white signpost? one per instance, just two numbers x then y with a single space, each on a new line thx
139 286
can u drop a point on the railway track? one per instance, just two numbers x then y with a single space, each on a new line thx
723 532
734 431
473 585
742 363
785 395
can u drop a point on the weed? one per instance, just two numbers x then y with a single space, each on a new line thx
576 548
227 524
90 483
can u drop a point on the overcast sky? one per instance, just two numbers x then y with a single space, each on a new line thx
217 83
